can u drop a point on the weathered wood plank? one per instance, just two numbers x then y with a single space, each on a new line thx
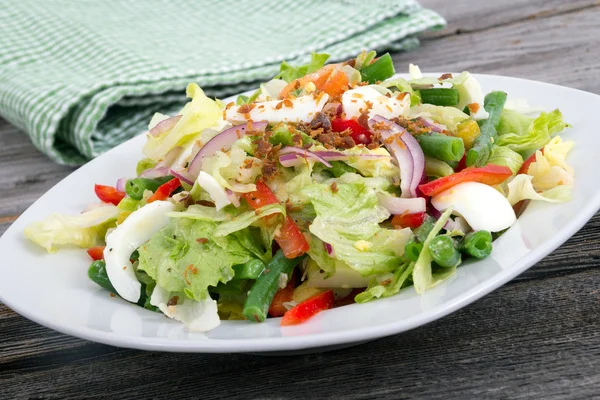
530 339
562 50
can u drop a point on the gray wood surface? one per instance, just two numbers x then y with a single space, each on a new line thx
537 337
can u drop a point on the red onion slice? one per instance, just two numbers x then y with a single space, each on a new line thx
164 126
163 168
329 249
120 186
407 151
291 156
182 176
222 142
156 172
434 127
233 197
400 205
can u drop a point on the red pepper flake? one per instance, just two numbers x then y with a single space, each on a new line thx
473 107
288 103
189 268
279 105
334 187
445 76
202 240
246 108
173 301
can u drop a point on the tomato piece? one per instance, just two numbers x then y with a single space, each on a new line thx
289 238
406 220
283 295
525 167
308 308
359 133
164 191
108 194
490 174
96 253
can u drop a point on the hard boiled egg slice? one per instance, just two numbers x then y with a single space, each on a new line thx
482 206
470 92
214 190
367 98
125 239
300 109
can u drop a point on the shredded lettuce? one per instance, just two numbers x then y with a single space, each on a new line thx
348 219
430 80
234 170
506 157
448 116
521 188
550 168
515 133
289 73
197 115
84 230
403 86
386 285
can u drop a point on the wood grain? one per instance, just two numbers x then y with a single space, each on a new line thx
536 337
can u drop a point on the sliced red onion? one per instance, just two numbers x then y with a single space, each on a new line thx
222 142
156 172
338 156
291 156
329 249
409 154
233 197
182 176
164 126
120 186
400 205
458 224
434 127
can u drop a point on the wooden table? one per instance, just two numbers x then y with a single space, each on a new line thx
537 337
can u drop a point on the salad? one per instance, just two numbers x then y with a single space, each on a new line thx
329 185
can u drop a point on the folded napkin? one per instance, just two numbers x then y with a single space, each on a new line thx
83 76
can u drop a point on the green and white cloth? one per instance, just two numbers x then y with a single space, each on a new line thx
83 76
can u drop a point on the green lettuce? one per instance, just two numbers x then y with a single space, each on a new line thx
506 157
521 188
524 134
386 285
197 115
348 219
289 73
403 86
449 116
84 230
185 256
235 171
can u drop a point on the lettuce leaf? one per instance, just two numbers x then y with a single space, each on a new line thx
448 116
386 286
186 257
289 73
200 316
84 230
506 157
550 168
348 219
521 188
197 115
513 134
234 170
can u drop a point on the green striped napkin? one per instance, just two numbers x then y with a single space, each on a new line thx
83 76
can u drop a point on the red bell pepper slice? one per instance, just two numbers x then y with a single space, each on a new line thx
490 174
289 238
108 194
406 220
358 132
164 191
308 308
97 252
462 164
525 167
283 295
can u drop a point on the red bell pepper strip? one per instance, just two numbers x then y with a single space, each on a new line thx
359 133
164 191
97 252
108 194
406 220
525 167
462 164
308 308
283 295
289 238
490 174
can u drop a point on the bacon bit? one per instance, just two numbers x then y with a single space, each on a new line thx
205 203
334 187
473 107
269 169
189 268
261 106
352 101
229 105
246 108
279 105
173 301
124 268
297 140
288 103
202 240
321 120
445 76
112 294
248 163
369 106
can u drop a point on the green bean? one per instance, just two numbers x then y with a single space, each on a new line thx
444 252
128 204
440 96
135 187
477 244
380 70
442 147
97 273
437 168
422 231
412 249
250 270
482 147
262 292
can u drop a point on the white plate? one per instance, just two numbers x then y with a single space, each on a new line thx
53 290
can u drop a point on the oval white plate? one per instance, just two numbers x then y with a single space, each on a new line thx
53 290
